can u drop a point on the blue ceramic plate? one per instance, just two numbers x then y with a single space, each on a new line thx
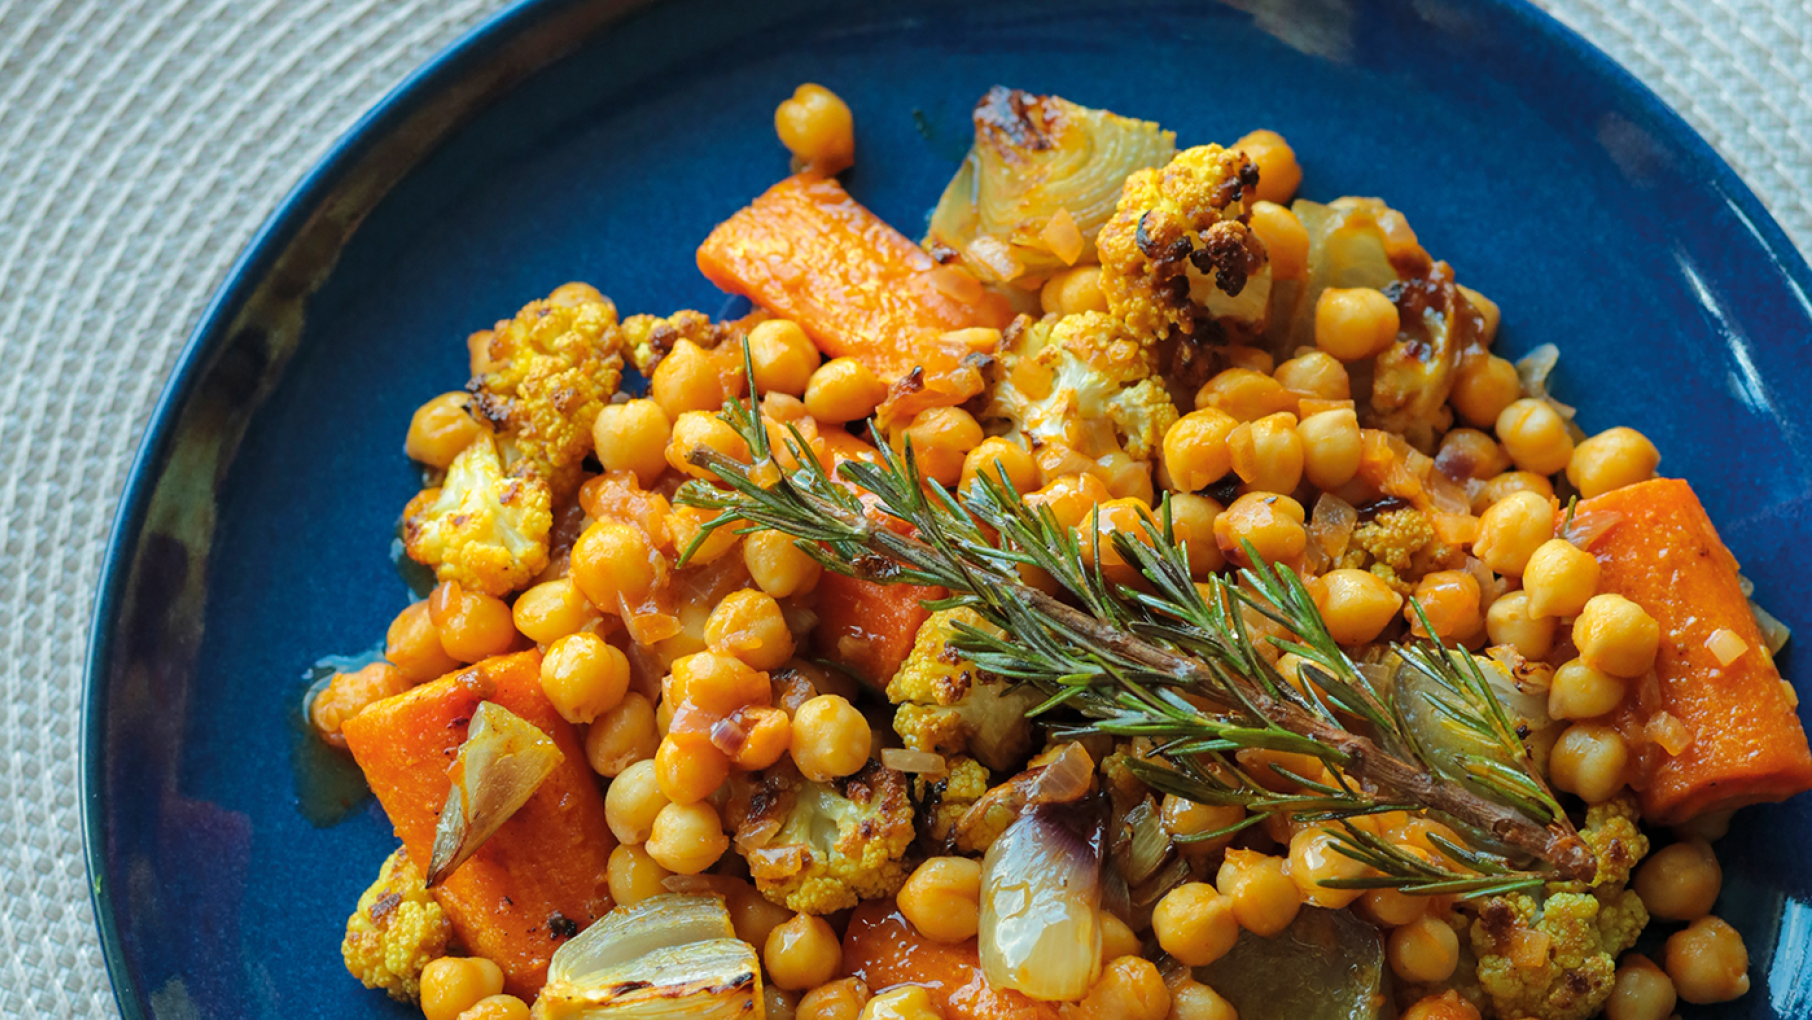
602 140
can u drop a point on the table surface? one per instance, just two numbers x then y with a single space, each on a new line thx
143 143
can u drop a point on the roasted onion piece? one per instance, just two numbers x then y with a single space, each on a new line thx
665 957
500 766
1041 902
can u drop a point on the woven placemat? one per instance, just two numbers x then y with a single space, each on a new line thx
141 144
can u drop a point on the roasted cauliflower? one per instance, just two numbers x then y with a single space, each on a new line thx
1190 213
485 527
648 338
818 848
397 929
948 706
942 802
548 372
1388 543
1082 381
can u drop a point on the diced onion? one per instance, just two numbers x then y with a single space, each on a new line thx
1587 528
1668 733
1725 646
1529 949
1792 695
905 759
1774 632
1062 237
1331 525
1066 778
958 284
1455 529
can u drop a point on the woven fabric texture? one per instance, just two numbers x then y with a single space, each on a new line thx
142 142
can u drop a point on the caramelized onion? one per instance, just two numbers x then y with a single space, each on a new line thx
1041 903
905 759
499 767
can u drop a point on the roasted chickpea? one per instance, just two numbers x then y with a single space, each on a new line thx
1272 524
1072 499
1279 175
440 429
1680 882
471 624
802 953
1077 290
714 681
1510 531
1192 522
1483 388
584 677
633 437
1450 600
453 984
1286 242
348 694
702 430
622 736
995 457
1580 692
1535 436
1331 447
777 566
815 125
941 439
1559 578
1315 859
1617 635
1424 951
749 625
1195 924
784 358
497 1007
843 390
687 838
831 738
1589 760
1356 605
1192 1000
1503 486
1265 900
690 378
1315 374
1268 454
1612 459
1642 991
1130 988
613 562
1470 454
632 801
942 898
1512 621
689 768
839 1000
633 876
1245 394
551 610
1708 962
1355 323
1196 451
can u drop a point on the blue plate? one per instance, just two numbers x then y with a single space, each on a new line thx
601 140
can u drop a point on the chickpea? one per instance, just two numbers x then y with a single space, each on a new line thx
1273 525
1356 605
1253 358
1315 859
622 736
478 351
996 457
413 646
1195 924
1355 323
689 768
942 899
1192 522
768 734
1267 453
1580 692
1117 938
1612 459
1508 484
802 953
1642 991
440 429
1559 578
1449 1005
633 437
1589 760
633 876
815 125
497 1007
753 915
701 430
1265 900
689 378
551 610
1483 388
574 293
1450 600
1072 498
1680 882
1392 909
784 358
843 390
1192 1000
1331 446
632 801
941 440
613 562
687 838
348 694
453 984
685 523
1184 818
1512 621
1245 394
1511 530
839 1000
777 566
584 677
1616 635
1196 451
1470 454
1315 374
1535 436
1078 290
831 738
1424 951
907 1002
749 625
471 624
1286 242
715 682
779 1004
1130 988
1279 175
1708 962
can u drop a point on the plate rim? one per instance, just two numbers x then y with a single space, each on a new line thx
414 90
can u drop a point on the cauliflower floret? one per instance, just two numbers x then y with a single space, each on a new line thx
1611 830
548 372
944 801
1083 381
1190 213
1556 960
1394 537
948 706
819 848
648 338
483 527
397 929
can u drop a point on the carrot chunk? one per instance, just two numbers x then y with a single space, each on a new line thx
544 867
869 627
883 949
1744 743
807 251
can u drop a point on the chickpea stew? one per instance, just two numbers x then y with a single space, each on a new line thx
1063 616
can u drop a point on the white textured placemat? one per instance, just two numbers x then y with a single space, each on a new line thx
142 142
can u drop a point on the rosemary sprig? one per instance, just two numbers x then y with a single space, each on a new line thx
1143 661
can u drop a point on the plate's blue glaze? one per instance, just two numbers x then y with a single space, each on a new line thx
570 140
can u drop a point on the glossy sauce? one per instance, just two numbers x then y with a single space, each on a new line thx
882 949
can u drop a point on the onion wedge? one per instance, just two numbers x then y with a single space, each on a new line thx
501 764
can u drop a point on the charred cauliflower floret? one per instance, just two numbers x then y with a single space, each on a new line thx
822 847
1394 537
648 338
948 706
1189 214
945 800
1612 831
547 373
1553 960
484 527
1084 381
397 929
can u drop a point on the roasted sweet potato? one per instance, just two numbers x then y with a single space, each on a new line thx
869 627
513 900
883 949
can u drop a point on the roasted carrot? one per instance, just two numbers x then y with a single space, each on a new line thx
545 867
1746 743
807 251
869 627
883 949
